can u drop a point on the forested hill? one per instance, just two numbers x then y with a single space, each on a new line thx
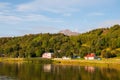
104 42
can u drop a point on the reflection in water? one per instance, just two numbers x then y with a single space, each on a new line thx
47 67
90 69
6 78
28 71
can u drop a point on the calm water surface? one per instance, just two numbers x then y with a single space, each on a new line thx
28 71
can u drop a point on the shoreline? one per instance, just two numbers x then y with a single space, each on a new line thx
61 61
26 60
115 61
111 63
105 63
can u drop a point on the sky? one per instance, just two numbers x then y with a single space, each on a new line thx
20 17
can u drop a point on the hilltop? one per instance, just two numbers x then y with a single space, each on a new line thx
104 42
68 32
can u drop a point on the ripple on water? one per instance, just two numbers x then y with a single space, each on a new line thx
6 78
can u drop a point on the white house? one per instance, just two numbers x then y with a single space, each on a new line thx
47 55
90 56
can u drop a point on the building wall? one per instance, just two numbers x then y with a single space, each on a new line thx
89 58
47 55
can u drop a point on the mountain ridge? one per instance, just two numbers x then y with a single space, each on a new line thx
69 32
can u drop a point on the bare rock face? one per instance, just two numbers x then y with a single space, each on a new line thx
68 32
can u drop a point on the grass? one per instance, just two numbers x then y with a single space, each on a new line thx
103 61
60 61
27 60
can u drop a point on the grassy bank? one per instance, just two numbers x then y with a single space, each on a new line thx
60 61
27 60
103 61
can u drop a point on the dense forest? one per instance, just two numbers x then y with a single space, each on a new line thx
104 42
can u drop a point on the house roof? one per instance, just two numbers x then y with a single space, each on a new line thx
90 55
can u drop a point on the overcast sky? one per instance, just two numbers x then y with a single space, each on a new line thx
20 17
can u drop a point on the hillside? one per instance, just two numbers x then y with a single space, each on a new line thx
104 42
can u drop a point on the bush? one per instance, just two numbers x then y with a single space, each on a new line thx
108 54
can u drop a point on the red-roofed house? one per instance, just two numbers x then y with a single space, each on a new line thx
90 56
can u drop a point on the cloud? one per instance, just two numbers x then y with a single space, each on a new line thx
9 19
6 14
35 17
14 19
10 15
15 13
96 14
38 17
59 6
4 5
67 14
56 6
48 4
1 13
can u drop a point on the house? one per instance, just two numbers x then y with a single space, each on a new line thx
47 55
90 56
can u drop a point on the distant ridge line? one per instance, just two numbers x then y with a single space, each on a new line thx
68 32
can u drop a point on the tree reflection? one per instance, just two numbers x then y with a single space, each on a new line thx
33 71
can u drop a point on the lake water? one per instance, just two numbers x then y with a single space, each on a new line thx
30 71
